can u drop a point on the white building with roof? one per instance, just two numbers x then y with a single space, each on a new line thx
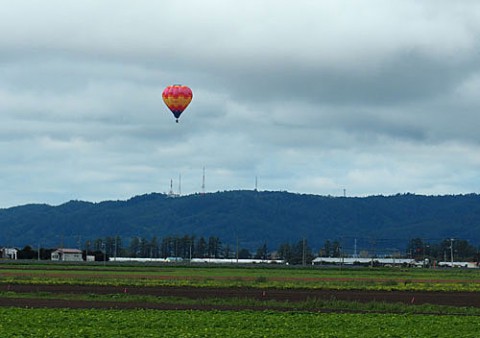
67 255
8 253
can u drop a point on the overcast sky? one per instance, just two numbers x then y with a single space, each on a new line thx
374 97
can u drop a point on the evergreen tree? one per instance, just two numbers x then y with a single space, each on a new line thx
416 248
302 253
285 252
227 252
327 249
262 252
118 247
27 253
201 248
244 254
134 247
336 249
214 247
154 247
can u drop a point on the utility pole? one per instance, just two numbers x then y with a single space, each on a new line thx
190 251
237 248
451 250
115 255
303 252
104 249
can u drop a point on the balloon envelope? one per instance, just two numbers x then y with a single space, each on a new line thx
177 98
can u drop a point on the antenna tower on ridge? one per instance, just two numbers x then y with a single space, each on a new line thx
203 181
179 184
170 193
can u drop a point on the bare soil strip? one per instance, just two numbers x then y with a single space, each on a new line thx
458 299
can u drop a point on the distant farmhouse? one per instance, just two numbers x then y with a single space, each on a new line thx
67 255
8 253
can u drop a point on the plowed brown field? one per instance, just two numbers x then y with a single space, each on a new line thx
470 299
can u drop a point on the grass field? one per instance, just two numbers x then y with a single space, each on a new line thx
270 277
308 318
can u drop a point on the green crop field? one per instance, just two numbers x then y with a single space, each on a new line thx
307 318
17 322
255 276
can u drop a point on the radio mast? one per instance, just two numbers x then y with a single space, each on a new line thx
179 184
171 193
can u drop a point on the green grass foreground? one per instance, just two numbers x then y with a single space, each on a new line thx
254 276
18 322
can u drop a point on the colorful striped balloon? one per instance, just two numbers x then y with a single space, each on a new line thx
177 98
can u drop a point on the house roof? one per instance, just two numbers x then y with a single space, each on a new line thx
71 251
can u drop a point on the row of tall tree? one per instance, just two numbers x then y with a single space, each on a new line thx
185 247
170 246
446 250
417 248
188 247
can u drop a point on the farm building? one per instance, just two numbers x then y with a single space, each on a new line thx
390 262
364 261
470 265
67 255
8 253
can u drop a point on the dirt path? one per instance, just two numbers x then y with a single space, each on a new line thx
470 299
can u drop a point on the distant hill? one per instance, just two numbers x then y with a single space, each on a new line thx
252 217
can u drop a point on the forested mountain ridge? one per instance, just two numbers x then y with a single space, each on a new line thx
251 217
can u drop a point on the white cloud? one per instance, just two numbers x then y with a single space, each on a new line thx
313 97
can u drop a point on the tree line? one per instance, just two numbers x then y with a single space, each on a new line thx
417 248
190 246
450 249
186 247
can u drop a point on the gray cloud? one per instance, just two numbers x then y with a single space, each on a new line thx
311 97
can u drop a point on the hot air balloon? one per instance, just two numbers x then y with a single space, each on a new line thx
177 98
